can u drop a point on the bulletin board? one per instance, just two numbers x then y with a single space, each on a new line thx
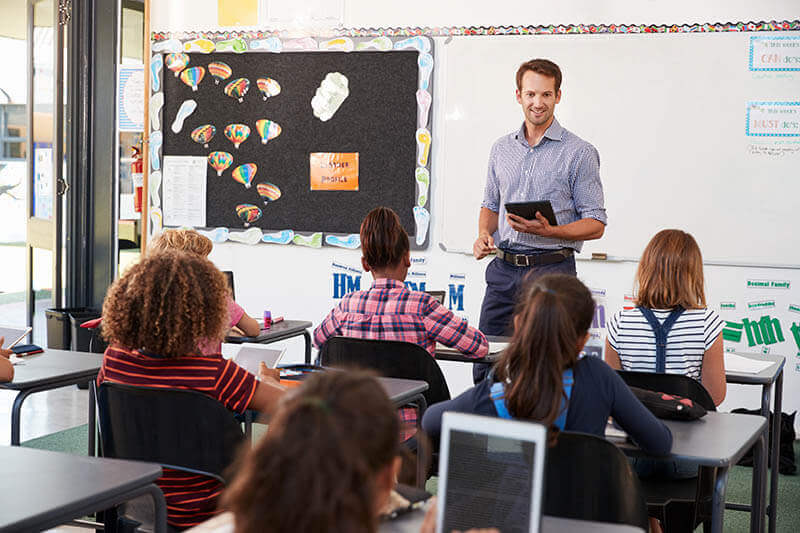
307 171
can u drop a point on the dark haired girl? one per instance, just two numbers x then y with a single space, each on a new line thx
540 377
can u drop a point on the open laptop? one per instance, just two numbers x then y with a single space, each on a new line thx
491 474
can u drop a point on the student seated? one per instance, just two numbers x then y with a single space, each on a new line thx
154 318
388 310
6 368
190 241
670 291
541 367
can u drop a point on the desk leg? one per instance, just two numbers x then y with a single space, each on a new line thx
159 508
92 429
16 411
307 338
718 500
772 509
758 490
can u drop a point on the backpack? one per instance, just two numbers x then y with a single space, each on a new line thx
786 463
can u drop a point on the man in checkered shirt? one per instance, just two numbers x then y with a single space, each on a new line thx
541 160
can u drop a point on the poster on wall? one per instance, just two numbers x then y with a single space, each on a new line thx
130 98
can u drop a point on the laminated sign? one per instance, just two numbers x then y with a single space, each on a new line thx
334 171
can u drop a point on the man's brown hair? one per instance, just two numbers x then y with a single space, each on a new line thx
545 67
384 242
166 304
671 272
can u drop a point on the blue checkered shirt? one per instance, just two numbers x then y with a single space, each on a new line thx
562 168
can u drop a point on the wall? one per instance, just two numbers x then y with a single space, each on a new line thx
299 282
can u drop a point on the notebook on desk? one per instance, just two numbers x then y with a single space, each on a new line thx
494 348
491 474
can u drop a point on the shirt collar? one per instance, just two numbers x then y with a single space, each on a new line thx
555 132
387 283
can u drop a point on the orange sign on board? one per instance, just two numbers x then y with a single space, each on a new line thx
331 171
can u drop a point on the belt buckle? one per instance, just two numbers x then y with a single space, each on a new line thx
524 261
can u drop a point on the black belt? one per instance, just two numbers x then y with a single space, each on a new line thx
547 258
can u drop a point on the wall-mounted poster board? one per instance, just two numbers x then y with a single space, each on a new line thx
298 143
698 131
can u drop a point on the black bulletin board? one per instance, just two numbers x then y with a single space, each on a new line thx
378 120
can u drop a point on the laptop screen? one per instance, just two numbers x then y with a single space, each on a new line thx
489 480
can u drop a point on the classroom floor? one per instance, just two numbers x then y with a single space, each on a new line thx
56 420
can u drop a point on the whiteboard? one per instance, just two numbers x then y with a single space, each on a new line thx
668 115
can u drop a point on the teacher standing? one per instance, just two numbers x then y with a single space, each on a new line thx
539 161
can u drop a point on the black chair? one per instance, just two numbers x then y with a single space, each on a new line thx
588 478
180 429
681 504
392 359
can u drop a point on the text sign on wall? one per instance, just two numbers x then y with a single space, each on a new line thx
775 53
773 119
334 171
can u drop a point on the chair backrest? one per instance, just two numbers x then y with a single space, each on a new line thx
671 384
588 478
391 359
177 428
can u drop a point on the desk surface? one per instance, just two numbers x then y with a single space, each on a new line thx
717 439
402 390
765 377
411 523
449 355
53 366
282 330
42 488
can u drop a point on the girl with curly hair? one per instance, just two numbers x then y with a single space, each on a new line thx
155 317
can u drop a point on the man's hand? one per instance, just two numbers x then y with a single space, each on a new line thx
484 245
268 374
539 226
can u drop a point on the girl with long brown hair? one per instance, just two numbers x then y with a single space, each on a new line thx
541 378
670 302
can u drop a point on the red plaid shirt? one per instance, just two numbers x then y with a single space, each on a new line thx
389 311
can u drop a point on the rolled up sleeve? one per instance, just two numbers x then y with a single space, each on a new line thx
587 189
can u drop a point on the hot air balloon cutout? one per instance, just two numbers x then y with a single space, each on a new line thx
219 161
203 134
221 71
268 87
238 88
193 76
244 174
267 129
176 62
248 213
268 191
237 133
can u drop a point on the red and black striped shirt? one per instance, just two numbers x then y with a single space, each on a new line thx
191 498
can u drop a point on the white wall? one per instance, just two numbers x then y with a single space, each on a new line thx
297 282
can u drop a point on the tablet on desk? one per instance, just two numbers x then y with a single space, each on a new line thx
250 355
527 210
12 336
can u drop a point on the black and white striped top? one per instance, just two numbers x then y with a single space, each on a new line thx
693 333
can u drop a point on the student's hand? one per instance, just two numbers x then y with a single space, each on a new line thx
5 353
484 245
539 226
236 332
268 374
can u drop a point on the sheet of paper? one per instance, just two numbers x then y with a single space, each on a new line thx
744 365
497 347
184 190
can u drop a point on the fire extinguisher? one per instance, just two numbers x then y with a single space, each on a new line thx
137 174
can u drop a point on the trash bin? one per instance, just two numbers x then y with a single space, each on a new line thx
59 330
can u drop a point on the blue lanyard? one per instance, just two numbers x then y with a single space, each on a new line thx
498 395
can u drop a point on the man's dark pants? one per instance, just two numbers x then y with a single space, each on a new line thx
503 282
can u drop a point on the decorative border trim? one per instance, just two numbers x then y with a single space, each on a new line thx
453 31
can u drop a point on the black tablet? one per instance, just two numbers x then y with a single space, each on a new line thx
528 210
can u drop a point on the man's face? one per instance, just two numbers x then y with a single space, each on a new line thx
538 97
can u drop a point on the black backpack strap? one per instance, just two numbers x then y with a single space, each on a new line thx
661 331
